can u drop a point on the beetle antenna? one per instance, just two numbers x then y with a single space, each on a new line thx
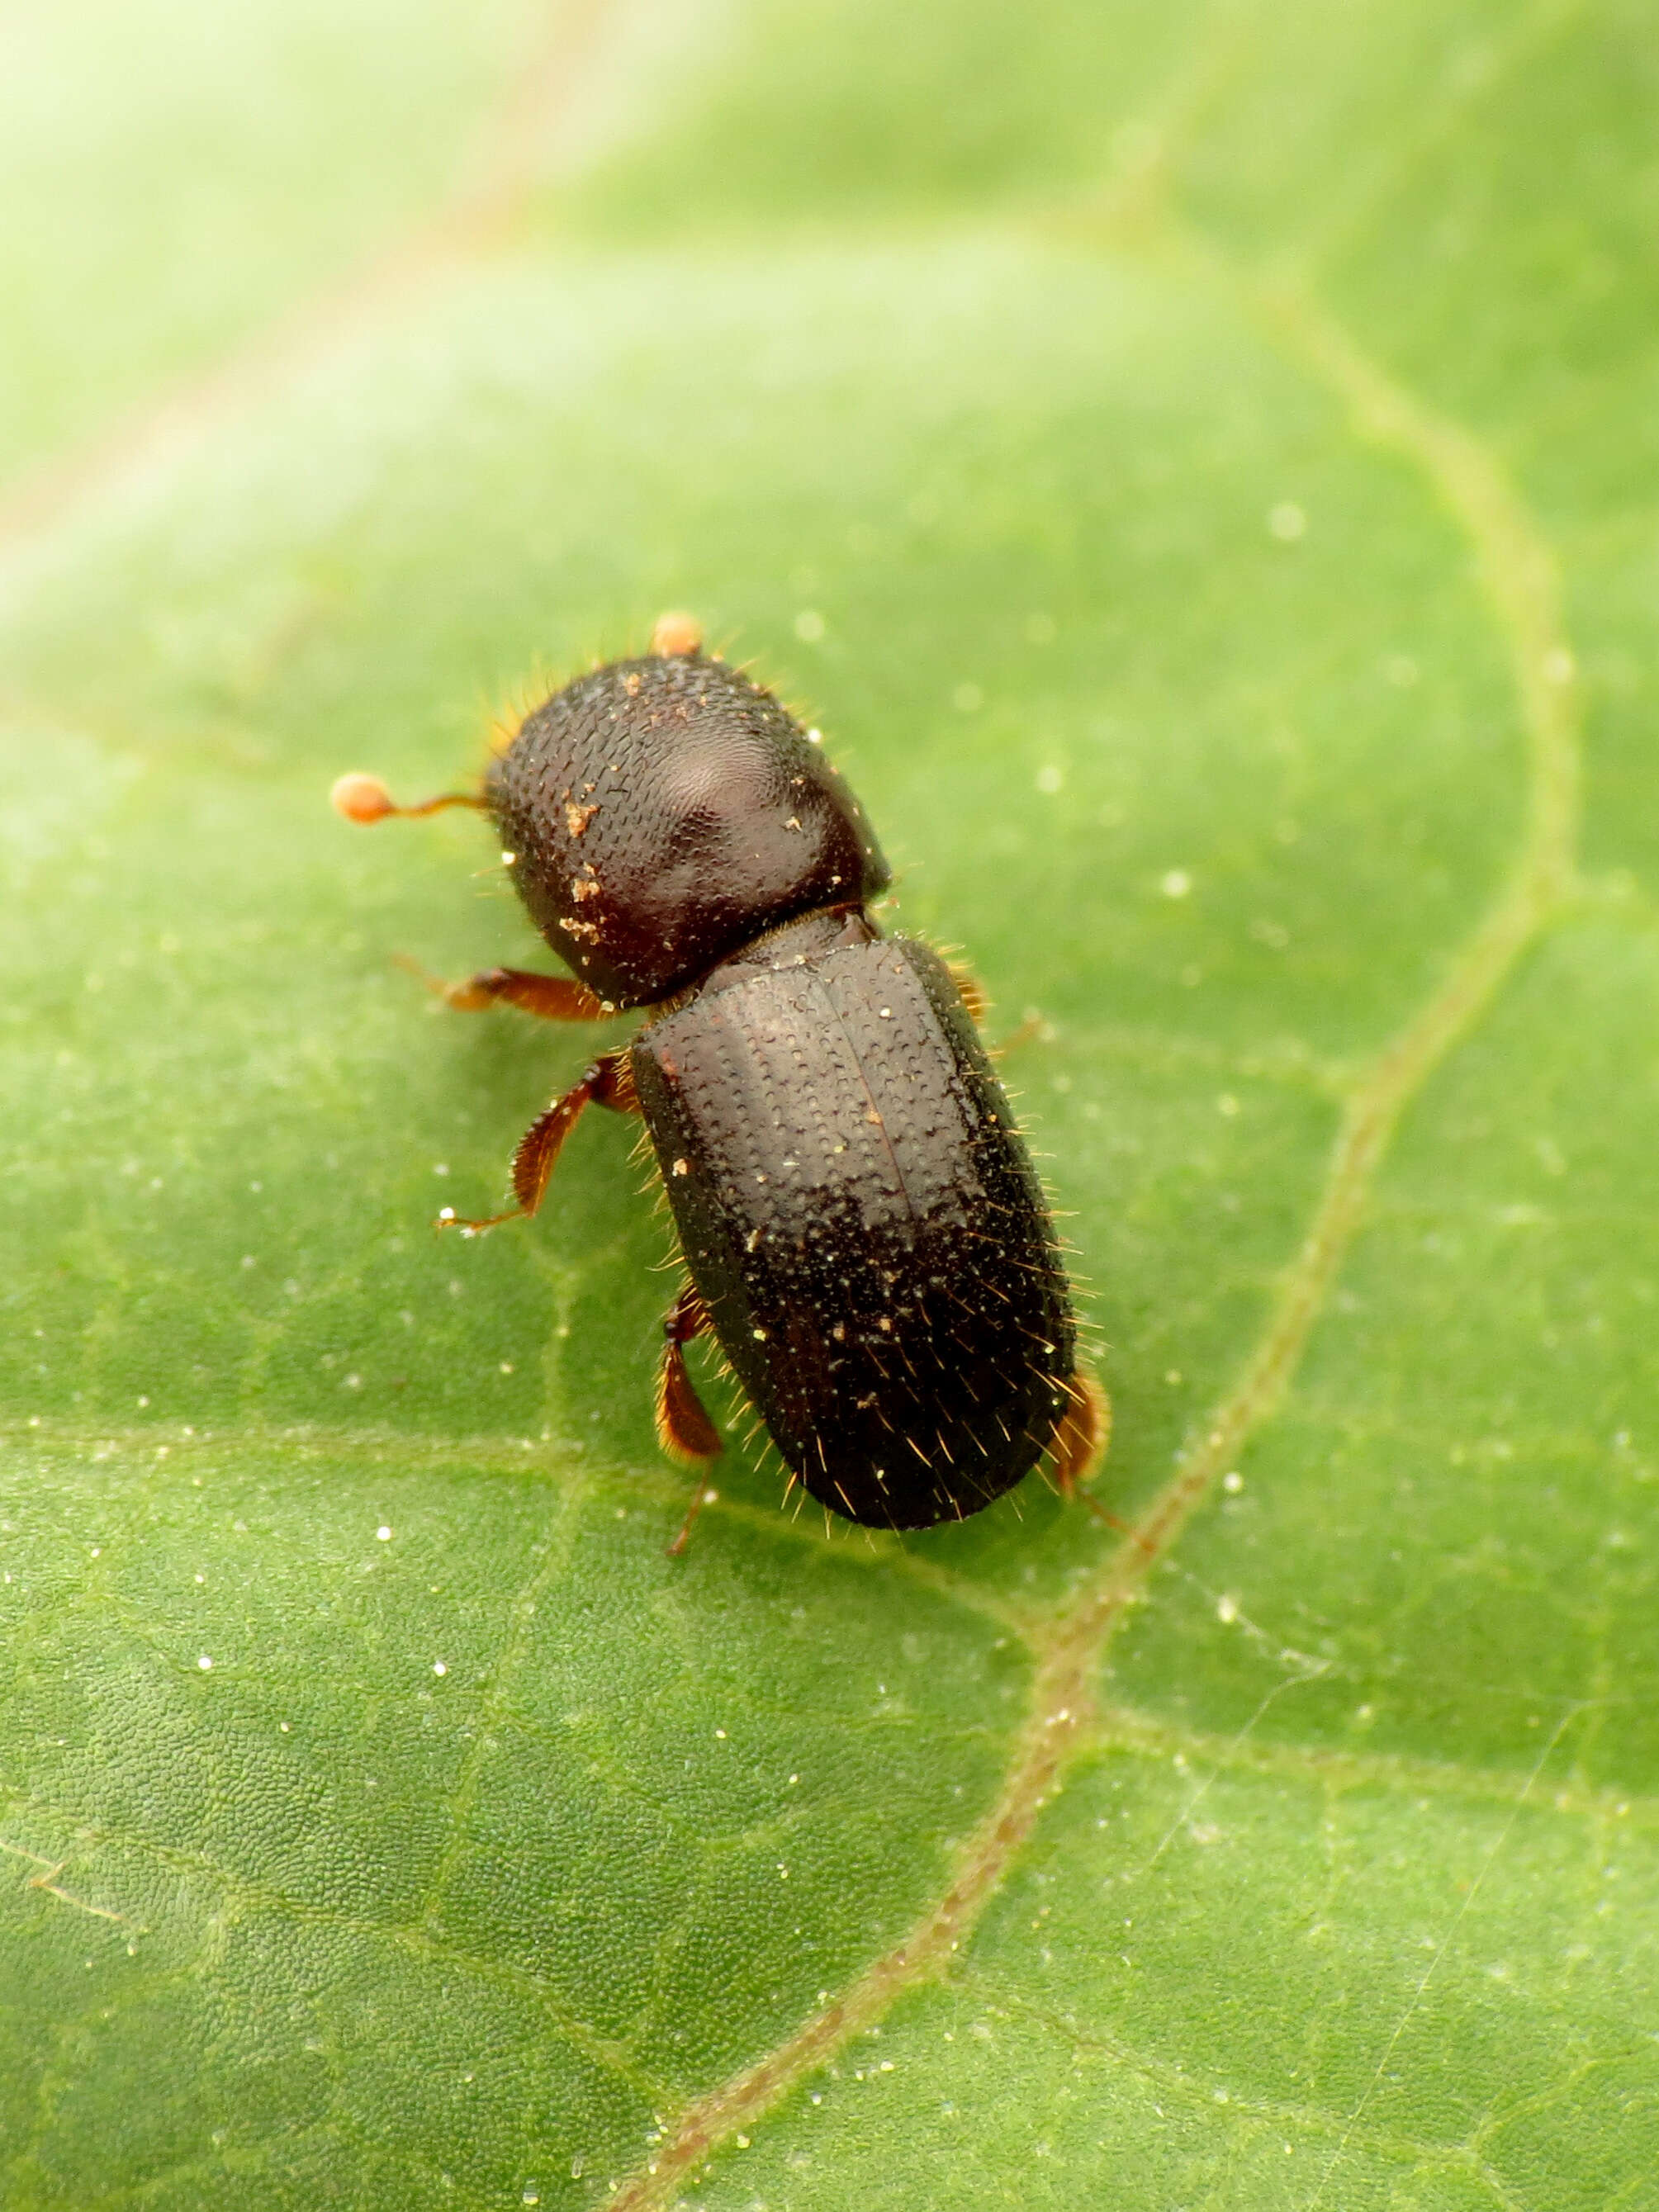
362 798
676 633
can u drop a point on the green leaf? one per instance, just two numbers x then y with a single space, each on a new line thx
1198 465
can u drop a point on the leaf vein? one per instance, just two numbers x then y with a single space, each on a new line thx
1518 577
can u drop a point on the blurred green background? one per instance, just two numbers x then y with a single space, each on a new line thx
1198 465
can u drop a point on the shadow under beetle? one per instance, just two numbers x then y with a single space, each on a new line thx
862 1228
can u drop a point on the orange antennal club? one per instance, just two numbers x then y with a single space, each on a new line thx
362 798
676 633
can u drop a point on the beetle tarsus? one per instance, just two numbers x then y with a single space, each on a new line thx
701 1496
450 1219
550 998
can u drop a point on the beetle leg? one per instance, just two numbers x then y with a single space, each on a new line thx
684 1428
553 998
1082 1436
1078 1445
975 995
608 1082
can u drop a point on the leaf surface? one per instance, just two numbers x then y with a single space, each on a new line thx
1197 465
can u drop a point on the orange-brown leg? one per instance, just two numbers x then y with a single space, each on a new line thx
551 997
608 1082
974 996
1079 1444
1036 1028
1085 1431
684 1428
